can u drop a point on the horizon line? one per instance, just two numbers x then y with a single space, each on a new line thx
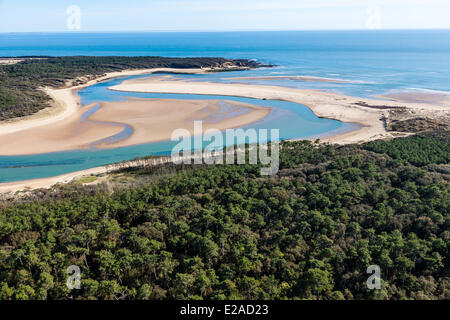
225 31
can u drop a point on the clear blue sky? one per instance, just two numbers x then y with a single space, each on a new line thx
213 15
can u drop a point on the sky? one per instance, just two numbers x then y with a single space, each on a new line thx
220 15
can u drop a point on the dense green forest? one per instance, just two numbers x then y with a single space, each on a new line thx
19 83
225 232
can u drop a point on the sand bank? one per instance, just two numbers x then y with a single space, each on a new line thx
155 119
69 133
328 105
151 120
10 187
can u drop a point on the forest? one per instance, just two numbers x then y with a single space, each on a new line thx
225 232
20 83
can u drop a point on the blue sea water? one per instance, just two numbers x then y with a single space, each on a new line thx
380 60
374 62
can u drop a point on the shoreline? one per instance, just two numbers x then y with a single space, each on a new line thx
323 104
33 184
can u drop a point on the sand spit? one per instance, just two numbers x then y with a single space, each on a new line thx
370 114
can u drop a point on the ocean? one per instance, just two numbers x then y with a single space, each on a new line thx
375 61
366 63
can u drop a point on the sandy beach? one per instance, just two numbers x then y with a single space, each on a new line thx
155 119
151 120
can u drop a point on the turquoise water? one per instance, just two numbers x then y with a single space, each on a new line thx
374 62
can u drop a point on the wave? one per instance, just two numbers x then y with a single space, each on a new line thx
413 90
428 91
